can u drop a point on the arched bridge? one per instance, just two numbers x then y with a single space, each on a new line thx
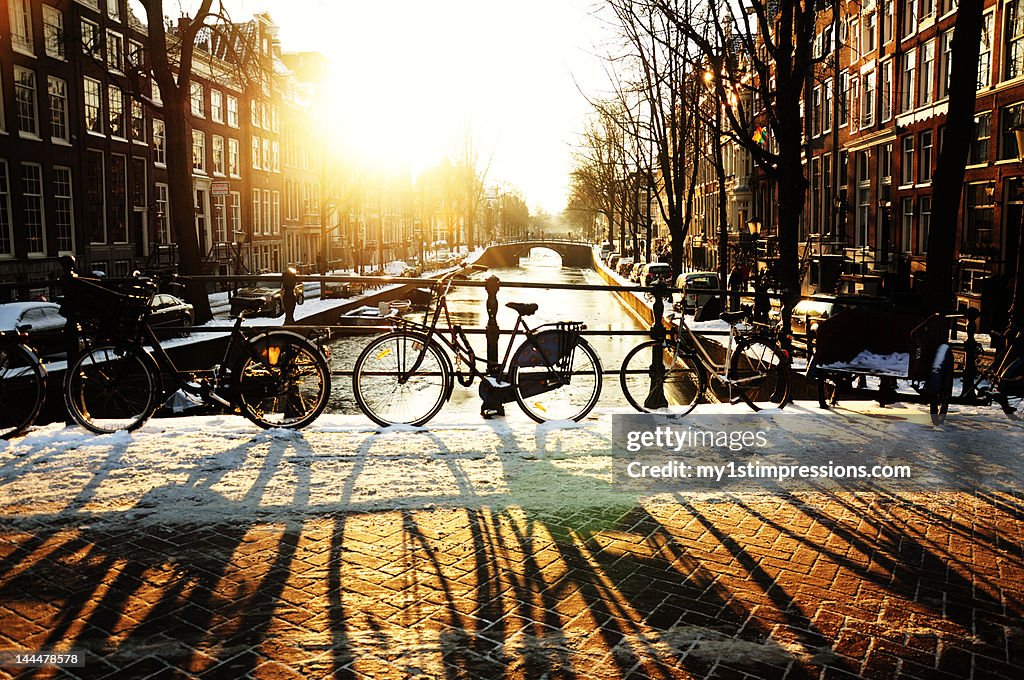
573 253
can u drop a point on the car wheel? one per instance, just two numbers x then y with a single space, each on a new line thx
276 308
300 295
186 324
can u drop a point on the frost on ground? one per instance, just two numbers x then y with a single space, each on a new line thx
209 469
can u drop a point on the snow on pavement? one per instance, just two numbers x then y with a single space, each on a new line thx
222 468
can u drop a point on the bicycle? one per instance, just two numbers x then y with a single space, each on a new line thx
1001 380
275 378
405 376
670 375
22 384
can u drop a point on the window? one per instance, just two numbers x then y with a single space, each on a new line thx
115 113
236 217
118 198
816 113
980 209
113 10
1009 118
217 106
155 93
234 162
265 115
232 111
887 22
844 93
254 113
863 197
927 9
924 223
885 91
275 156
275 198
907 161
907 101
909 17
275 115
25 99
826 107
53 32
138 122
220 219
95 197
867 112
58 90
256 164
32 200
982 134
218 155
945 63
135 57
198 151
1014 40
139 182
924 173
63 214
21 26
256 223
925 96
6 238
159 142
3 120
160 198
93 105
985 56
91 41
267 227
266 154
115 51
196 97
907 224
869 34
855 102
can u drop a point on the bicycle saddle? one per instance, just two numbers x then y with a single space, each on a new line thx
733 317
522 308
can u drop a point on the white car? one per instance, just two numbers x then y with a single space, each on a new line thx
41 321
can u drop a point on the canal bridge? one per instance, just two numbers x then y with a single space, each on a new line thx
573 253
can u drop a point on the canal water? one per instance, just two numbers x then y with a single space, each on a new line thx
599 310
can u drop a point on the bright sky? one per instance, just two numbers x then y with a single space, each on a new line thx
409 77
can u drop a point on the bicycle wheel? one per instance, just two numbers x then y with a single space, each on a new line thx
543 397
109 389
682 383
759 372
22 389
285 382
401 379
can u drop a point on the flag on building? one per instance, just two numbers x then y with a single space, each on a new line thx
760 135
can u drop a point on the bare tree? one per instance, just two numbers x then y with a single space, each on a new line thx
471 175
948 180
172 51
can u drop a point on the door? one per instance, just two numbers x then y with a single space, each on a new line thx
202 221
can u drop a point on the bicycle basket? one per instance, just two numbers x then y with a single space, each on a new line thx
107 310
555 347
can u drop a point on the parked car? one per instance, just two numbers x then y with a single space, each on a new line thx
691 284
168 310
613 261
40 321
656 271
606 250
809 311
625 266
261 301
331 290
636 271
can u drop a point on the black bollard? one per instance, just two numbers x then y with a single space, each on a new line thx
656 396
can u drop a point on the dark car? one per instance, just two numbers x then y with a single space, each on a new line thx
41 321
167 310
260 301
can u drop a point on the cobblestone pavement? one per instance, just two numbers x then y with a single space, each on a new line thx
305 568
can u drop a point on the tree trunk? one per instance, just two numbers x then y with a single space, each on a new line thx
182 213
948 181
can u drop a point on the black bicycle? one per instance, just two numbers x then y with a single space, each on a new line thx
275 378
1000 380
406 376
22 384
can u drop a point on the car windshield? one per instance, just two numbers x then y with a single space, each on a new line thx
701 282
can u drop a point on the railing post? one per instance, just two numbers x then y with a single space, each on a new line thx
492 405
656 395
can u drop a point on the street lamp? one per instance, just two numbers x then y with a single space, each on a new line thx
761 305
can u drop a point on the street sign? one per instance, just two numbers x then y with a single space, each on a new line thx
219 188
